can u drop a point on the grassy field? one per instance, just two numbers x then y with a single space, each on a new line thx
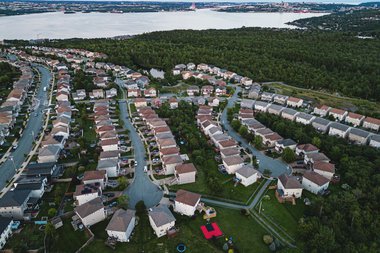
318 97
246 234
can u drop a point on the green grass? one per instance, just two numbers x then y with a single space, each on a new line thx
246 233
55 196
30 237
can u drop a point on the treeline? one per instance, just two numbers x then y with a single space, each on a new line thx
8 74
309 59
361 22
347 220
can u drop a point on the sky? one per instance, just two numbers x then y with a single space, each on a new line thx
305 1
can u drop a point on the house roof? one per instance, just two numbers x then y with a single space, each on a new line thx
82 189
323 166
172 159
354 115
303 115
89 208
188 198
94 175
109 154
230 151
161 215
49 150
233 160
339 126
247 171
273 137
121 220
293 99
287 142
307 147
315 178
359 132
318 157
228 143
289 182
337 111
169 151
372 120
185 168
103 164
321 121
166 142
14 198
4 223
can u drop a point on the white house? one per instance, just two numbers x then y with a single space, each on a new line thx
288 186
294 102
338 114
48 154
315 183
247 175
186 202
169 163
161 219
371 123
110 144
322 110
5 230
111 166
232 164
324 169
95 176
91 212
354 119
285 143
304 149
86 192
338 129
185 173
304 118
374 141
121 225
14 203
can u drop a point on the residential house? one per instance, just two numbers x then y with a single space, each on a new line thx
110 144
281 145
374 141
207 90
247 175
289 186
280 99
213 101
338 129
254 92
305 149
288 113
47 170
164 152
324 169
227 144
13 204
140 102
48 154
111 166
111 93
185 173
358 136
161 219
321 124
267 96
121 225
35 185
304 118
262 106
322 110
371 123
227 152
190 66
247 103
232 163
354 119
192 90
79 95
169 163
86 192
270 140
95 177
246 81
133 92
312 158
5 230
274 109
91 212
173 103
151 92
294 102
338 114
166 143
315 183
186 202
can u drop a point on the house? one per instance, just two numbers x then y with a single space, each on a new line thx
374 141
254 92
46 170
161 219
186 202
305 149
227 152
140 102
207 90
371 123
338 129
121 225
220 91
111 166
304 118
35 185
324 169
358 136
321 124
263 132
315 183
111 93
5 230
173 103
169 163
354 119
61 122
133 92
322 110
14 203
246 81
280 99
267 96
57 140
168 152
232 163
192 90
274 109
91 212
289 186
227 144
79 95
48 154
142 81
61 131
151 92
95 177
312 158
57 222
294 102
262 106
247 103
213 101
185 173
338 114
216 138
110 144
285 143
86 192
289 114
166 143
270 140
96 93
247 175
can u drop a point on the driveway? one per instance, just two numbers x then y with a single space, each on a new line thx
32 129
277 167
142 188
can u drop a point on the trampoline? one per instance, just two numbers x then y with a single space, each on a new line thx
211 230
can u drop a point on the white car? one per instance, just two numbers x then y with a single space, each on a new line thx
145 169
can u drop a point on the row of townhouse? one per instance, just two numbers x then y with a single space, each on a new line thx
81 94
350 118
206 91
10 108
354 135
229 149
280 99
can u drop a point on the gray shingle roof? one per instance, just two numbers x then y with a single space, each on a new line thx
121 220
321 121
89 207
339 126
14 198
359 132
161 215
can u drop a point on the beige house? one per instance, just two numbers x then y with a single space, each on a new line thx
185 173
161 219
186 202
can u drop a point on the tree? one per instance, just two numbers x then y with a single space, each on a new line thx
316 141
267 172
122 201
243 131
288 155
235 124
258 142
52 212
122 182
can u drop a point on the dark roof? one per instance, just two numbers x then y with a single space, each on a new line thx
289 182
359 132
289 111
287 142
188 198
339 126
304 116
121 220
4 223
275 107
90 207
321 121
14 198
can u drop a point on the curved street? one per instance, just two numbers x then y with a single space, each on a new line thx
142 188
31 131
277 167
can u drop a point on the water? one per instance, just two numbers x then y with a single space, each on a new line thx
57 25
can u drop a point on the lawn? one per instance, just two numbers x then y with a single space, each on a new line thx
55 196
285 215
246 234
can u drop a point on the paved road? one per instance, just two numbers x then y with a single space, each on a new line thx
142 188
32 129
276 166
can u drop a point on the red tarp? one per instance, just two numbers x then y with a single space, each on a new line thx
211 230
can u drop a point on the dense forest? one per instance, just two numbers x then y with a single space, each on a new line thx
318 60
348 220
8 74
361 22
